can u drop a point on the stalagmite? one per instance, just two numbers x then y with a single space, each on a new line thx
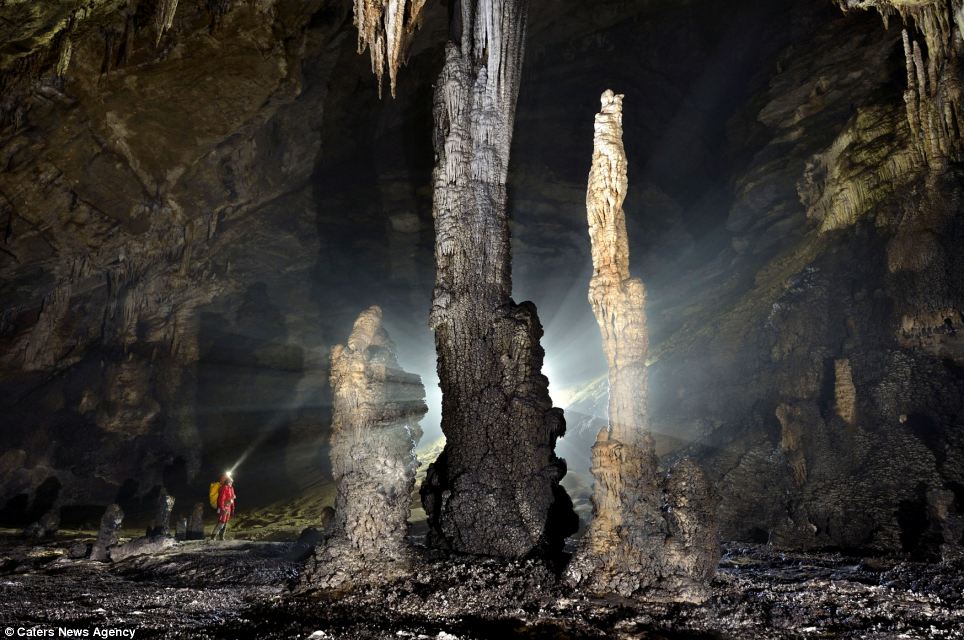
845 393
495 487
386 28
107 534
161 524
649 535
195 524
374 430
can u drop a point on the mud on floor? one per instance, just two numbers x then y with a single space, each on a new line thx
241 589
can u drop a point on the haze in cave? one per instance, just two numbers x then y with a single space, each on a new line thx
468 319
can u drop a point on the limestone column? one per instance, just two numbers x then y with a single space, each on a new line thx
495 488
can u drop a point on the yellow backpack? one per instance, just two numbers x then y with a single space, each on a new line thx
213 492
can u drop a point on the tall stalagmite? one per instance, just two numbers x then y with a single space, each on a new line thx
495 488
649 534
374 430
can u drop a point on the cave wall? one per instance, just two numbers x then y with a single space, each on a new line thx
822 377
151 193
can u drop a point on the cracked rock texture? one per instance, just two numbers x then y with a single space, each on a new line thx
377 407
495 487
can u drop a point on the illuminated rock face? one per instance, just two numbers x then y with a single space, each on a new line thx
649 535
933 39
377 407
495 488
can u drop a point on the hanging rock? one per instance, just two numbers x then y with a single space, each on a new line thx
386 28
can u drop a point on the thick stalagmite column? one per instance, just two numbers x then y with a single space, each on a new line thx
374 431
649 534
495 488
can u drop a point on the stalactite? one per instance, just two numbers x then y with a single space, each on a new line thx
935 107
63 59
163 18
649 535
386 28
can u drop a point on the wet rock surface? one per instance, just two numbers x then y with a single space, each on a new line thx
241 589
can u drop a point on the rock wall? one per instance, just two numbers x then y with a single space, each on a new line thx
822 377
127 195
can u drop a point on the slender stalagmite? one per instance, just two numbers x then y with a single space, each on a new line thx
495 488
374 430
649 534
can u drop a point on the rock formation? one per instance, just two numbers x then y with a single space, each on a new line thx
386 28
648 535
377 407
495 488
195 524
110 525
161 252
161 522
142 546
933 94
45 527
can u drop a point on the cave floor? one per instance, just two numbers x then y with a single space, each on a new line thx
240 589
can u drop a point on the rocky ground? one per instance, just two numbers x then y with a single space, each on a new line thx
240 589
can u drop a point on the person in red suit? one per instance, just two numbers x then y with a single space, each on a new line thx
226 504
